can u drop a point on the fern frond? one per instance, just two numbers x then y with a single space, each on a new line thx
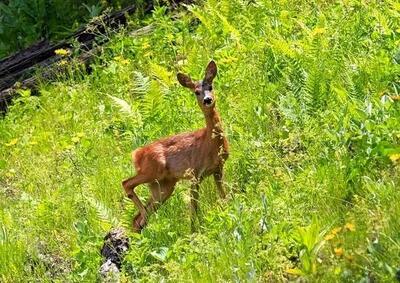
141 83
152 100
123 106
297 76
162 75
103 212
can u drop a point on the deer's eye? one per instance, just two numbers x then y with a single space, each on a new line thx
197 92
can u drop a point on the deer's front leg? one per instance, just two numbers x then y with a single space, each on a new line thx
218 176
194 203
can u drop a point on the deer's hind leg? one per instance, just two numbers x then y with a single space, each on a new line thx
160 192
129 187
194 204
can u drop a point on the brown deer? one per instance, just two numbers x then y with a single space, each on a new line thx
192 156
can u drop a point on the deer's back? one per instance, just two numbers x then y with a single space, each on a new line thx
184 155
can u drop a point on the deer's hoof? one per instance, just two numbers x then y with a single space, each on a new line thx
138 223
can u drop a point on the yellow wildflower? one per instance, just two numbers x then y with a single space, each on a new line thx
10 173
12 142
336 230
337 270
329 237
75 139
125 62
63 62
284 14
318 30
338 251
61 52
80 134
395 157
121 60
350 227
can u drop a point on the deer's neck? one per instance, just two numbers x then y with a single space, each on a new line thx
213 123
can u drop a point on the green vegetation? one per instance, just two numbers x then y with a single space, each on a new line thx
309 96
23 22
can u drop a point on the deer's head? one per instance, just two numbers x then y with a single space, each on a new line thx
202 89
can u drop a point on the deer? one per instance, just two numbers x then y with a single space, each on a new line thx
193 155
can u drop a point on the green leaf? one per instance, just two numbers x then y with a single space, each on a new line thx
161 254
3 164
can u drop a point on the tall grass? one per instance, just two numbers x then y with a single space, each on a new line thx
308 94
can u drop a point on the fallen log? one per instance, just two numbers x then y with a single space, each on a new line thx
21 66
85 36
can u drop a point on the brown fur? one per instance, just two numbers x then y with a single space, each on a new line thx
192 156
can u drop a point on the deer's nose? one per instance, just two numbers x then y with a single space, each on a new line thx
207 100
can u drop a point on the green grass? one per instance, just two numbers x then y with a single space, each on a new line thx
307 93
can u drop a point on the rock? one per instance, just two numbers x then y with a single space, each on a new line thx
116 243
109 272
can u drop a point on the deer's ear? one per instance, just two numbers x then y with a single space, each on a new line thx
185 80
211 72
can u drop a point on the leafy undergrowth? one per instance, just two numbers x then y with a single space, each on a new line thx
308 94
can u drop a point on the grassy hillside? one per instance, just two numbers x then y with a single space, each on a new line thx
309 96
